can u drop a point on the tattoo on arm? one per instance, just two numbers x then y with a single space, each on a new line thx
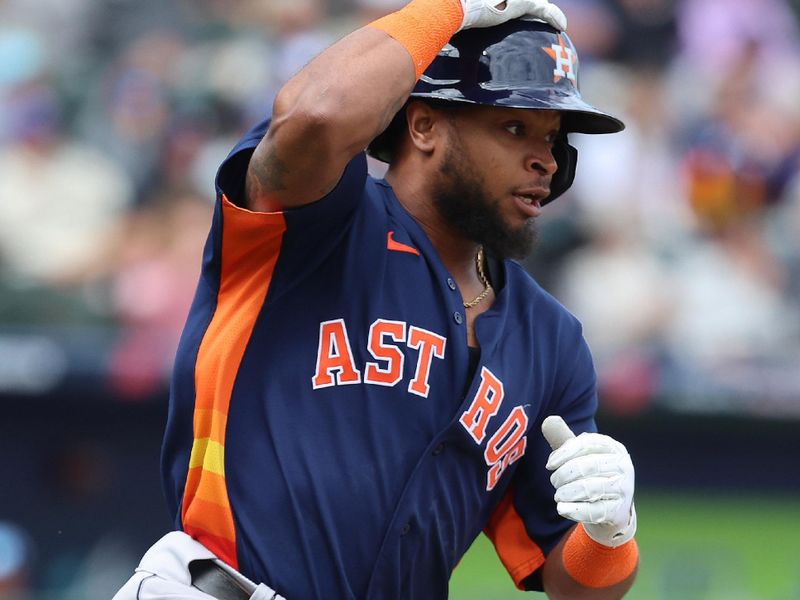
267 175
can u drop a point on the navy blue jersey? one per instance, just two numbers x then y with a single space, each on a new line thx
325 434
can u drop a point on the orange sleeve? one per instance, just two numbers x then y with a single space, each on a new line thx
519 554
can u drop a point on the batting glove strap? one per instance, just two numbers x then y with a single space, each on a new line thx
611 536
485 13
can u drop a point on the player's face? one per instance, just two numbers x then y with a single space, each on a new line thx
496 170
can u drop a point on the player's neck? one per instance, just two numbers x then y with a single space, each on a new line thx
456 251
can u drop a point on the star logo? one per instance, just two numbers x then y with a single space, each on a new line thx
566 60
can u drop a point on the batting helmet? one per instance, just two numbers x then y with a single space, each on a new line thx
518 64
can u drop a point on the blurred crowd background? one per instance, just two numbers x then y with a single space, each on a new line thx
678 246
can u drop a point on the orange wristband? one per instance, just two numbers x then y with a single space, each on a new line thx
596 566
423 27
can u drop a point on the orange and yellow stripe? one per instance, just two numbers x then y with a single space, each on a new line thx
250 246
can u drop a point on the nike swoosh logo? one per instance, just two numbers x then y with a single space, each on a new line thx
399 247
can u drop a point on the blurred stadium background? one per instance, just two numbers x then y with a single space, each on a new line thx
678 247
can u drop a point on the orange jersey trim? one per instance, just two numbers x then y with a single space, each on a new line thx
519 554
250 246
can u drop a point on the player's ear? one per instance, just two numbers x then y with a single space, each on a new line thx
425 126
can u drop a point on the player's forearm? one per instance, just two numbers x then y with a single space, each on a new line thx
349 93
588 571
336 105
356 86
325 114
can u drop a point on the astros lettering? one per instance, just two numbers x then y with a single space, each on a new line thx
508 443
335 364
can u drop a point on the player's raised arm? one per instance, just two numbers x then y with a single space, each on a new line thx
348 94
326 114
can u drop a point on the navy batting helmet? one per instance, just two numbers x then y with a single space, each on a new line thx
518 64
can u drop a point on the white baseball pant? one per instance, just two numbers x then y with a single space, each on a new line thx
164 573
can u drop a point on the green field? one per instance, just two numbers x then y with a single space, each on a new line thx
710 547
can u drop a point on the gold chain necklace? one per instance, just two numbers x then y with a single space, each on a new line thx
487 287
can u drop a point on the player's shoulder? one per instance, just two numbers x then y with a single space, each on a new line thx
381 189
531 297
556 334
377 189
230 177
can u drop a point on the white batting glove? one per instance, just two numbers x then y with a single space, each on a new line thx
593 476
485 13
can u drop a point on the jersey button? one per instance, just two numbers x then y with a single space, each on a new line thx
438 450
405 529
458 318
451 284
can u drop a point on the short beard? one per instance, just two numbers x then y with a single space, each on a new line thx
461 199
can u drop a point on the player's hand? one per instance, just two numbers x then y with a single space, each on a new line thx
594 478
488 13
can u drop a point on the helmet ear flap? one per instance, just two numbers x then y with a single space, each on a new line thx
383 146
567 159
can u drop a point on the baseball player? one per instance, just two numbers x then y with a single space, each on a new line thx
366 381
